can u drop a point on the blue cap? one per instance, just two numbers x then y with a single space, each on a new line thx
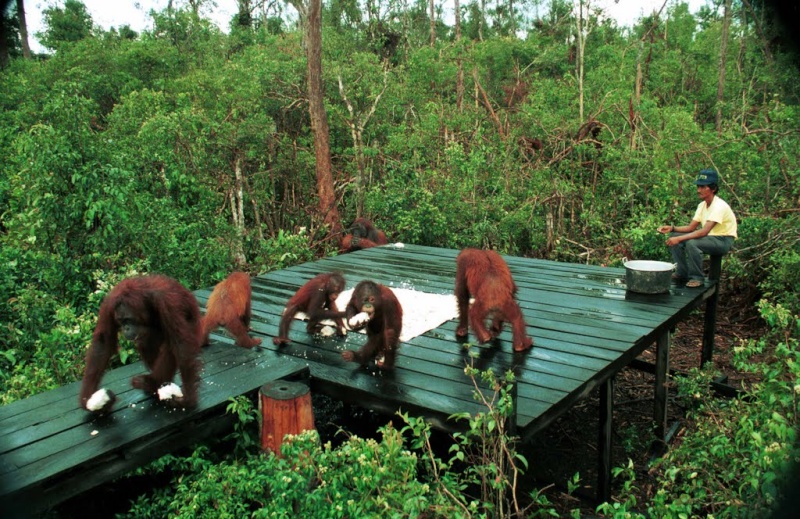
706 177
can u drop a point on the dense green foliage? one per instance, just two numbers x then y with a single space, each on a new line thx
735 464
373 477
127 153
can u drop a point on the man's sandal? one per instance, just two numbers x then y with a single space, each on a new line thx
694 283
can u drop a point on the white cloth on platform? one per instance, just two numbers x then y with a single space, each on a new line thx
422 311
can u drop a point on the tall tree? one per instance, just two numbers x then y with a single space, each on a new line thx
723 51
64 25
357 124
433 22
8 33
481 19
460 77
582 30
311 16
244 17
5 33
23 29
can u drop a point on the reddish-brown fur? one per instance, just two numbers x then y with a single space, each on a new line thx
163 319
384 325
229 306
317 299
483 275
363 235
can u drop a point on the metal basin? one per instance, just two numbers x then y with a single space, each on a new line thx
648 277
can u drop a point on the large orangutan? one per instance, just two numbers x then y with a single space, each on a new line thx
162 318
484 276
376 307
363 235
229 306
317 299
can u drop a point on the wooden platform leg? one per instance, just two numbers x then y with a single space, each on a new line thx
710 325
512 420
662 369
605 440
285 409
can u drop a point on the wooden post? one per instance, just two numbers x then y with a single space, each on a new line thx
605 440
710 323
662 369
285 409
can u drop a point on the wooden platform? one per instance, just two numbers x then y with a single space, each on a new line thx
585 326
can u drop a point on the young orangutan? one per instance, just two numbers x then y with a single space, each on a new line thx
317 299
229 306
376 307
483 275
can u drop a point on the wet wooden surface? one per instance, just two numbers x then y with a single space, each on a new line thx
584 323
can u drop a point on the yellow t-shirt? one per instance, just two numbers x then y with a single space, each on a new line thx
720 212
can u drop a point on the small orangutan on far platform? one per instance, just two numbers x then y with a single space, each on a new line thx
362 235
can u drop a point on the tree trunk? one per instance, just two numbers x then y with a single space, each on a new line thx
723 50
756 17
357 124
237 212
23 30
511 19
245 18
460 76
582 26
433 23
319 117
633 106
480 20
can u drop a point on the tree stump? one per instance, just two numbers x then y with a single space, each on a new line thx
285 409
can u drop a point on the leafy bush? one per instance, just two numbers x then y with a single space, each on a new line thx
282 251
736 461
360 477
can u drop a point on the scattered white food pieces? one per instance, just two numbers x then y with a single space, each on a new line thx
98 399
95 432
327 331
358 319
399 245
168 391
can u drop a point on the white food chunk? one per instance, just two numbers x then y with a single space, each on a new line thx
169 391
359 319
98 400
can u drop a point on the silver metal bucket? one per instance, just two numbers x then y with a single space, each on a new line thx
648 277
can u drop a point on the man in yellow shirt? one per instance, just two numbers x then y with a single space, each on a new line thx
711 231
